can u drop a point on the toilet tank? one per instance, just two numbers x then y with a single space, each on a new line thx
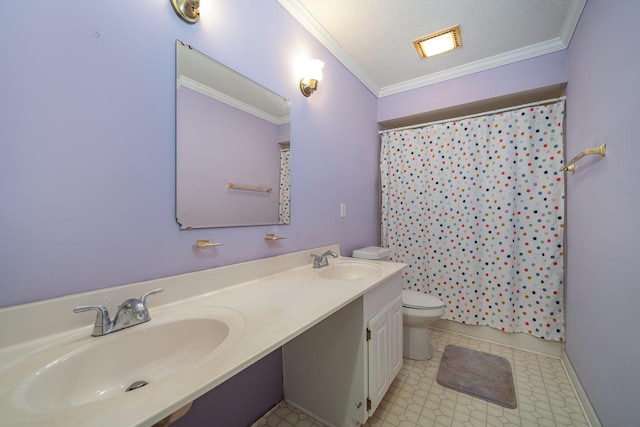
372 252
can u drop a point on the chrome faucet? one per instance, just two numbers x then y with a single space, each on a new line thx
321 260
130 313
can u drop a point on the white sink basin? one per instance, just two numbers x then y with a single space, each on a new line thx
349 270
105 367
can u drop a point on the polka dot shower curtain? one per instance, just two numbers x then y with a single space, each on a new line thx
475 207
284 203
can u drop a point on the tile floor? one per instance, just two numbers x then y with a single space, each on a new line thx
544 394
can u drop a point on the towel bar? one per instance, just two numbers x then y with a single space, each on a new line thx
272 236
249 187
601 150
205 243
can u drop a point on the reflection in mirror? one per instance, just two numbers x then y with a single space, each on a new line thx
232 147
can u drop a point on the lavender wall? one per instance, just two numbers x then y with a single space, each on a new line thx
534 73
241 400
603 207
88 144
219 144
87 167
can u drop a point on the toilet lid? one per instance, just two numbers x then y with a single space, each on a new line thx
372 252
415 299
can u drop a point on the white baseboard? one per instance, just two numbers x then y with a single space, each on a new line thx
514 340
309 413
583 399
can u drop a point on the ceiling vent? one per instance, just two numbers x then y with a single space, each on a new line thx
439 42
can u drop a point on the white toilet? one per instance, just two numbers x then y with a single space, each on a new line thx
418 311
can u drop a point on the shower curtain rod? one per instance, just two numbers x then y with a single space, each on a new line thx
455 119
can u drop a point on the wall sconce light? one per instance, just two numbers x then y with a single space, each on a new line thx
187 10
311 76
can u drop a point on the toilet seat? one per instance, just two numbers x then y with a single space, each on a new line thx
419 300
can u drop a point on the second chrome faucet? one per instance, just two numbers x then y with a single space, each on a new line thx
321 260
130 313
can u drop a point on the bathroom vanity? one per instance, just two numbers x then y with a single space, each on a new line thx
206 327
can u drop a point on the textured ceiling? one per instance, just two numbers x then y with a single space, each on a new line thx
373 38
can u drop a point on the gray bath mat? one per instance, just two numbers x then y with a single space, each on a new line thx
479 374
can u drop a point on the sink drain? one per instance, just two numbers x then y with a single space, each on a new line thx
136 385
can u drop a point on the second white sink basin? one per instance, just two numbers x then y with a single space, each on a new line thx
105 367
349 270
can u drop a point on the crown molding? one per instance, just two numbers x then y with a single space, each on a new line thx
183 81
310 24
475 67
301 15
573 16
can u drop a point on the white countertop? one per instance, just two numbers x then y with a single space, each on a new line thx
278 299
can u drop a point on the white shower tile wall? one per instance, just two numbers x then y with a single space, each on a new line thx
415 399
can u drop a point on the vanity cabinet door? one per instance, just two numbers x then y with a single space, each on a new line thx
379 357
384 350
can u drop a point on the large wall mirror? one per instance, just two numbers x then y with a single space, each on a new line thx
232 147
